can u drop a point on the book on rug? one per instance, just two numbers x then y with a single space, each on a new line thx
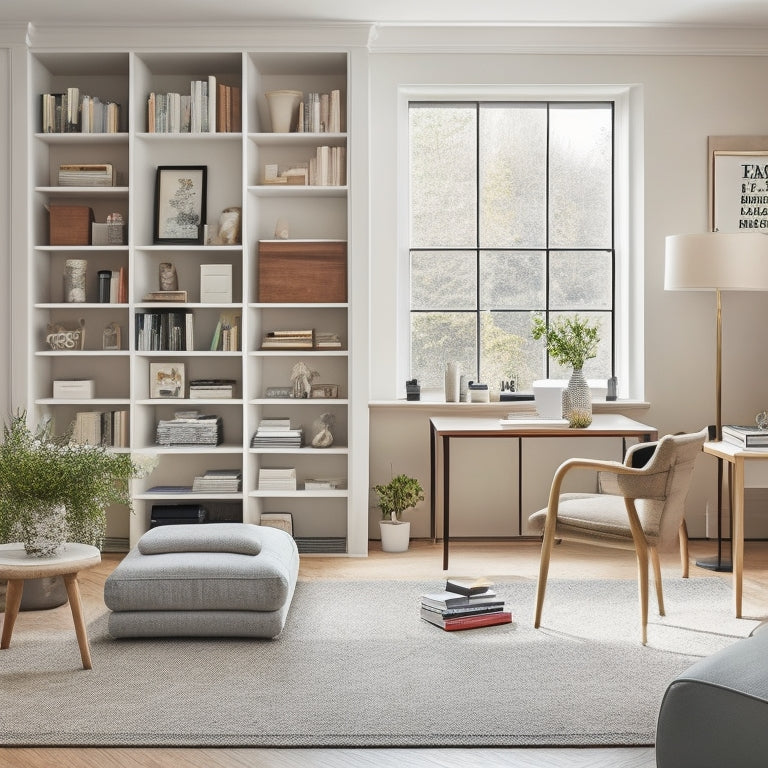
467 622
452 600
466 586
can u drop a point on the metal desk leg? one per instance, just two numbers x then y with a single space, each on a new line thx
446 500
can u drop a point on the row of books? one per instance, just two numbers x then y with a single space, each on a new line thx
113 286
277 432
165 330
73 112
329 167
464 604
109 428
300 339
746 437
320 113
209 107
86 175
218 481
226 335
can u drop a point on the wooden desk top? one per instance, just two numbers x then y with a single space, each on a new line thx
15 563
603 425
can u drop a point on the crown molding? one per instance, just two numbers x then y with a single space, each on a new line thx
13 34
661 40
170 37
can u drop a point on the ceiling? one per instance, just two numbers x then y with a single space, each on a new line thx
731 13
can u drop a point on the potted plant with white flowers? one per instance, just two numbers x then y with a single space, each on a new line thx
53 490
395 497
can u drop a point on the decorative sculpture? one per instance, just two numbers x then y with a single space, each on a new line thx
324 437
301 379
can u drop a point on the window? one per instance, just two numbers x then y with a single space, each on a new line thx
511 214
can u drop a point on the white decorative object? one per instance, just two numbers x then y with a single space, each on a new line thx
283 109
548 396
169 280
74 389
74 280
395 536
229 226
324 436
215 283
282 231
301 379
452 376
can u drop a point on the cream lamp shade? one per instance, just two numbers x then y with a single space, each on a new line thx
713 261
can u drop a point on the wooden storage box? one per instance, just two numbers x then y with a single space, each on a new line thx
70 224
297 271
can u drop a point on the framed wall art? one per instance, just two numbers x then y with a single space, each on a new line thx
738 183
180 203
166 380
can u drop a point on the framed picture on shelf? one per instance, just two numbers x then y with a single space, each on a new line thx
324 390
112 337
166 380
180 204
281 520
738 173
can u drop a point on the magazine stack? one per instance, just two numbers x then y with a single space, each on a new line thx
464 604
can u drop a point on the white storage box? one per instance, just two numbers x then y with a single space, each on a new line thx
548 396
74 389
215 283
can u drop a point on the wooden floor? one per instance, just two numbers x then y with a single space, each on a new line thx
498 560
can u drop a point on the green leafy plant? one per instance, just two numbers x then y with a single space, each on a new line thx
40 470
398 495
570 341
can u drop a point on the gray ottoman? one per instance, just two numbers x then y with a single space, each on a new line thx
210 580
715 714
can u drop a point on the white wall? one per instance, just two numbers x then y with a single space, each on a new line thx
686 98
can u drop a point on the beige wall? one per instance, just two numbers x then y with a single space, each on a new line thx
686 98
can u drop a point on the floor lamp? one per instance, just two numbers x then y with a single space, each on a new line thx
717 261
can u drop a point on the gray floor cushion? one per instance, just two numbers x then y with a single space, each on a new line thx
221 579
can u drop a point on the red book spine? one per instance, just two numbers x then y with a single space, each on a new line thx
480 620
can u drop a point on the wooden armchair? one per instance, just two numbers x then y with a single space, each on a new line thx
640 508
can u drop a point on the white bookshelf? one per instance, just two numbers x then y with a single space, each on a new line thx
235 164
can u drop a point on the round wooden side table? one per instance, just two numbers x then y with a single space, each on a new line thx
16 566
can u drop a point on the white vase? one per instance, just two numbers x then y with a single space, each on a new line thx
395 536
283 109
44 530
452 382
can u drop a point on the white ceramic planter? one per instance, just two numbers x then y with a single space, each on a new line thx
283 109
395 537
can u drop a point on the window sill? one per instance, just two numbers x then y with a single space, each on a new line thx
492 409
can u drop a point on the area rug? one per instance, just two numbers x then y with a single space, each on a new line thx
356 666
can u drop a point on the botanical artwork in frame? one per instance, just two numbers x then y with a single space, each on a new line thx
180 204
166 380
738 188
324 391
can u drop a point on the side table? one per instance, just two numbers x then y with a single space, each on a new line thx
16 566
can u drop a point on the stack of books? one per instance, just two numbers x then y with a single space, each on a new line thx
277 432
198 430
327 340
86 175
324 484
464 604
746 437
304 339
277 479
214 389
218 481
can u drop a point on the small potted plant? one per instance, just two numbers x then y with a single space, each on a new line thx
570 342
398 495
53 490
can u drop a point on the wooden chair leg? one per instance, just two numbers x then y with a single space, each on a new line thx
684 548
657 578
547 543
641 550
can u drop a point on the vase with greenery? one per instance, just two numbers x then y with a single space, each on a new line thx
571 341
395 497
53 490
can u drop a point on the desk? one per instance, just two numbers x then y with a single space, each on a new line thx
736 457
443 428
16 566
